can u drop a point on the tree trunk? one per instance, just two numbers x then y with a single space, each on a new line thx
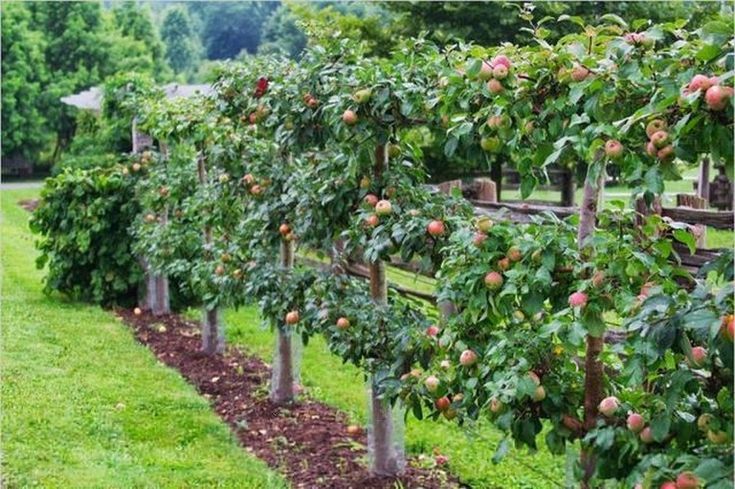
568 188
496 173
593 380
385 442
213 339
284 375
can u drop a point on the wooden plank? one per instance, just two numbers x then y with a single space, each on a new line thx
715 219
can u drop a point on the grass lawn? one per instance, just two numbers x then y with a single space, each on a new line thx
85 406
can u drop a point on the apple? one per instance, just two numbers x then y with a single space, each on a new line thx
219 270
486 71
383 208
372 220
728 327
609 406
467 358
256 190
394 150
248 179
362 96
501 59
226 258
349 117
495 405
343 323
717 97
484 224
125 171
635 422
490 144
493 280
703 422
518 315
494 86
528 127
598 279
668 485
660 139
435 228
646 435
443 403
312 103
579 73
450 414
371 200
687 480
284 229
651 149
539 394
495 121
699 356
432 330
717 437
354 430
613 149
445 364
150 218
163 191
137 311
441 459
136 167
699 82
478 239
578 299
224 178
666 153
500 72
237 273
365 182
292 317
504 264
431 383
514 254
655 126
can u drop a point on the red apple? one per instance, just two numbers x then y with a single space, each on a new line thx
635 422
660 139
495 121
699 82
578 299
666 153
609 406
486 71
598 279
349 117
435 228
256 190
432 330
372 221
668 485
699 356
431 383
495 405
651 149
579 73
503 264
494 86
501 59
383 208
534 378
292 317
493 280
478 239
717 97
441 459
728 327
354 430
371 200
284 229
443 403
343 323
687 480
646 435
219 270
613 149
467 358
514 254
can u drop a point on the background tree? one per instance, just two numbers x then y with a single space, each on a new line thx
281 34
182 49
23 124
135 21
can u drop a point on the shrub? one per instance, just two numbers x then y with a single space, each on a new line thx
83 221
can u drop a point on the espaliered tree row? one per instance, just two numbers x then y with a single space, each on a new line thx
586 327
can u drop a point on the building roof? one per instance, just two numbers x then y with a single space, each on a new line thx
91 99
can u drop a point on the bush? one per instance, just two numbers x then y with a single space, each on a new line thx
84 218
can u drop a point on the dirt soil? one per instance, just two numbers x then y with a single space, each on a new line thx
29 204
308 442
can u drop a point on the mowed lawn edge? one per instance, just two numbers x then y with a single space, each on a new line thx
84 405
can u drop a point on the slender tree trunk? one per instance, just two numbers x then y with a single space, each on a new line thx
385 442
594 374
162 304
213 338
284 376
496 173
568 188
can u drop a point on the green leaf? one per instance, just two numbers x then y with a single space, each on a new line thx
660 426
686 238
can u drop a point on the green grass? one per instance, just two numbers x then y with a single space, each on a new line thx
85 406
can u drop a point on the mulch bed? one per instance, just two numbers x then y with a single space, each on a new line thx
307 442
29 204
